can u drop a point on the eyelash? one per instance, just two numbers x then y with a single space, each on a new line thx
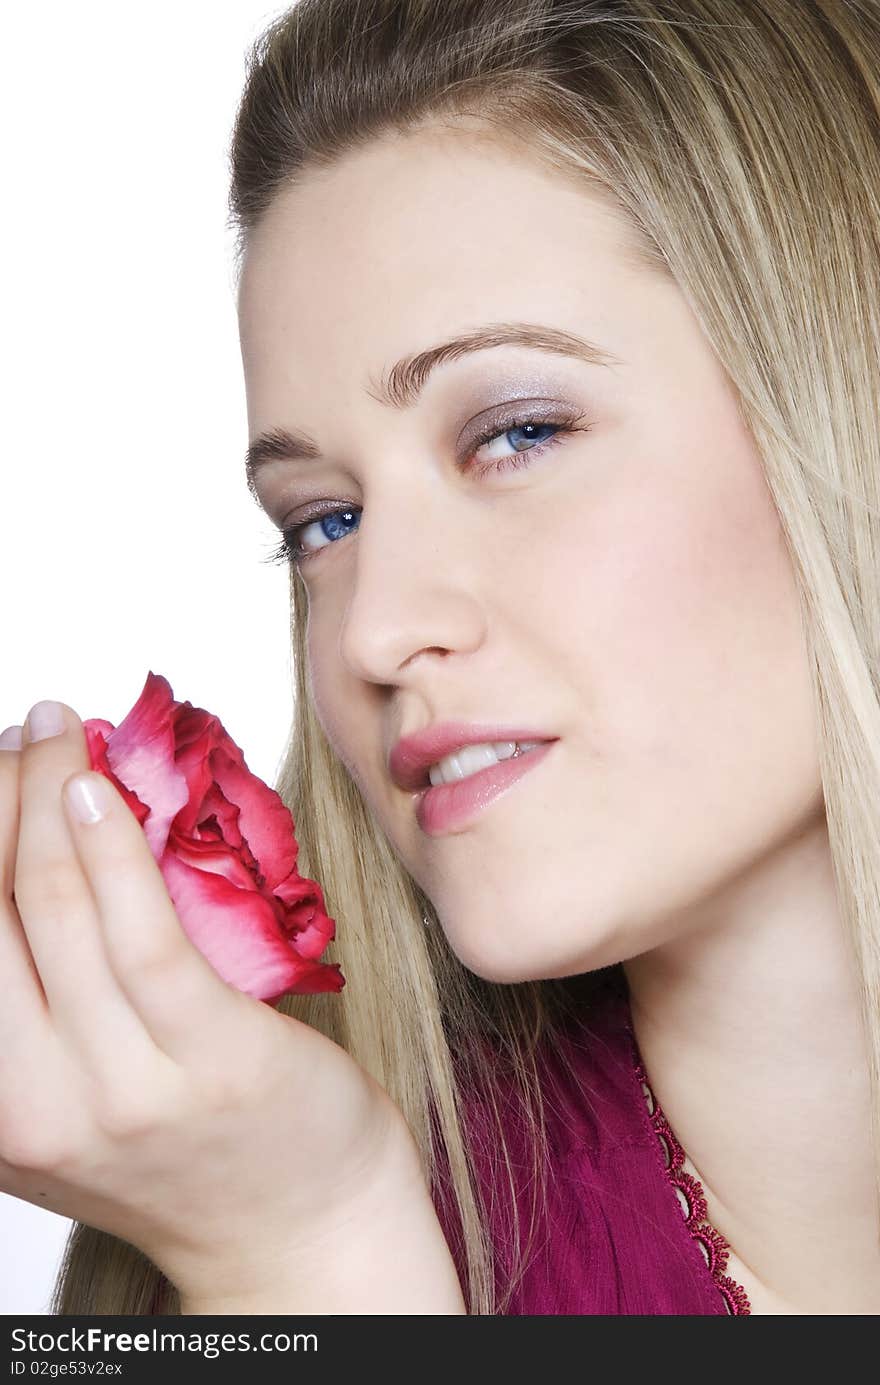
286 552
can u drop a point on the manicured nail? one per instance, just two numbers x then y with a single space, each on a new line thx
11 738
45 719
86 798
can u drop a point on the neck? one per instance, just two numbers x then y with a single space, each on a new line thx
749 1028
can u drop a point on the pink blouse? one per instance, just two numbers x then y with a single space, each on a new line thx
625 1229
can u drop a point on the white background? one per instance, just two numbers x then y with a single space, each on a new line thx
128 539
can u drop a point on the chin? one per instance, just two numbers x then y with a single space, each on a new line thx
511 951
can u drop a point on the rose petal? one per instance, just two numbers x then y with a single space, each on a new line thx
140 751
264 820
238 934
225 842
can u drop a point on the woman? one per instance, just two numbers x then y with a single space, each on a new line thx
560 337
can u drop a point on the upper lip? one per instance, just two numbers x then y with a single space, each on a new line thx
412 756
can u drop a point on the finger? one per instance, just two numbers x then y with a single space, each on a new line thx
87 1006
180 998
28 1043
24 1014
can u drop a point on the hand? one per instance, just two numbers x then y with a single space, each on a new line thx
141 1094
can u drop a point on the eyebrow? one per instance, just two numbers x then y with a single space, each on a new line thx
400 387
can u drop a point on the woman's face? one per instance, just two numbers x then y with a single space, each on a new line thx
625 589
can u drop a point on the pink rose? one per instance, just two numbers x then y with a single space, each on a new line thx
224 842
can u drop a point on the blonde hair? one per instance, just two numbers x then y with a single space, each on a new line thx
741 144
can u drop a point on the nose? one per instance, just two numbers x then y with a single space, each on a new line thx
417 583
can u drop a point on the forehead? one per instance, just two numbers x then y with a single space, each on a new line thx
432 223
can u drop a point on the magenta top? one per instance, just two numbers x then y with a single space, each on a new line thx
625 1230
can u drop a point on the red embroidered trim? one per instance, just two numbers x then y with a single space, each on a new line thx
691 1197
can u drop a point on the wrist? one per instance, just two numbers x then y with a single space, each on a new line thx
383 1252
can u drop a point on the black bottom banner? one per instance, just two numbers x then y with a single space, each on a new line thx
277 1348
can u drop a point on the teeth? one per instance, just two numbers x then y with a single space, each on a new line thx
472 758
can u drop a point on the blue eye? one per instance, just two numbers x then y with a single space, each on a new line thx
336 523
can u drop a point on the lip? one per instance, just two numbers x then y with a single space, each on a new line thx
446 807
412 756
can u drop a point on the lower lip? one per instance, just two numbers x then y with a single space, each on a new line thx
449 806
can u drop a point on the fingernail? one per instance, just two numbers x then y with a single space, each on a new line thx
45 719
11 738
86 799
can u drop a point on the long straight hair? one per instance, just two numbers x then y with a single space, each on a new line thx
741 144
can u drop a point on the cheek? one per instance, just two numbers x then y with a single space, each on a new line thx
677 619
335 706
350 712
